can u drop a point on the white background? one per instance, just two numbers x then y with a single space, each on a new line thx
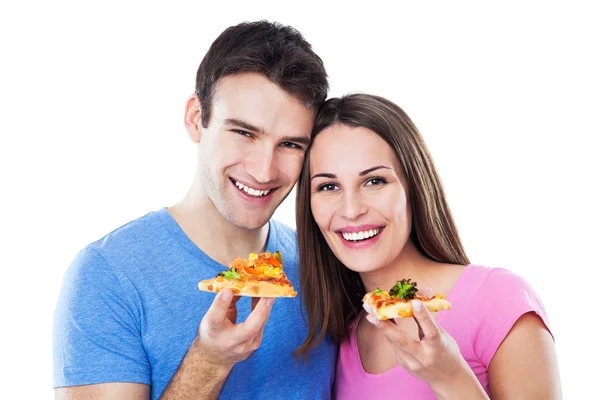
92 136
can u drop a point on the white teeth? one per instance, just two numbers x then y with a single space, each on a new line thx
362 235
252 192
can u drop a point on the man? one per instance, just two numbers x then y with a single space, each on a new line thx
131 323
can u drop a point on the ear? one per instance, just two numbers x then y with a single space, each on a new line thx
193 118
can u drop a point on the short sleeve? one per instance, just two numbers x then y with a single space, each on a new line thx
502 299
96 337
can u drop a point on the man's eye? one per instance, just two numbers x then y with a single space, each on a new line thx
326 187
291 145
244 133
376 181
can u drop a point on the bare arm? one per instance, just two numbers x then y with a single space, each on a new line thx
218 346
104 391
525 365
197 376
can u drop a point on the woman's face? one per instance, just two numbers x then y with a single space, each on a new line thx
359 197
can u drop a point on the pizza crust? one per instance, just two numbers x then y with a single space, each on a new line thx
404 308
249 288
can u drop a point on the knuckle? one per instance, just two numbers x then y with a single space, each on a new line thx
231 343
212 335
251 333
436 334
427 363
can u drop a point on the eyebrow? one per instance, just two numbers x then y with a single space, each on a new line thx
366 171
245 125
363 173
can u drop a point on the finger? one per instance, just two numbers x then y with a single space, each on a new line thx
407 361
368 308
255 301
231 313
425 292
256 320
258 338
235 300
232 310
421 334
217 311
427 326
397 337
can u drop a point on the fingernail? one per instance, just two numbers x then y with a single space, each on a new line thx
372 320
227 295
269 302
417 305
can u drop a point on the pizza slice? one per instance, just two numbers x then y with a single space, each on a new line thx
396 302
261 275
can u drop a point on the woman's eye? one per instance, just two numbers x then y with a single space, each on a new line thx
326 187
376 181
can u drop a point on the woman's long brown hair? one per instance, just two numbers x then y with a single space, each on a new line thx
331 293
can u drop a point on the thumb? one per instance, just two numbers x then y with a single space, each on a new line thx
231 313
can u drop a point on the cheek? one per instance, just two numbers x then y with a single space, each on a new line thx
394 207
228 151
401 210
321 212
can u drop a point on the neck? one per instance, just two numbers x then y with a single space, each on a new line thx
218 238
410 263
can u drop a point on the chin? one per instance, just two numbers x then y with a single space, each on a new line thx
357 265
249 223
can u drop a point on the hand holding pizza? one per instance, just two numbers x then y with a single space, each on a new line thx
434 359
224 342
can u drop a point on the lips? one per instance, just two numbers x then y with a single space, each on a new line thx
250 191
360 237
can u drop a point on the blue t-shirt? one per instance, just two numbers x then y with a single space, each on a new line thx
130 307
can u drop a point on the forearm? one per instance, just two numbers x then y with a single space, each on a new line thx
197 377
465 386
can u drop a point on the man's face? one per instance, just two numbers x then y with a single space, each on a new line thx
251 154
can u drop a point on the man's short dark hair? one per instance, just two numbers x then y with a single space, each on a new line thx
278 52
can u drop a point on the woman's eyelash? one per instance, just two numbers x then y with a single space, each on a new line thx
378 179
326 187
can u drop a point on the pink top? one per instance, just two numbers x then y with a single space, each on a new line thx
485 302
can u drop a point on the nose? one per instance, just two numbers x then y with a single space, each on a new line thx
353 205
262 166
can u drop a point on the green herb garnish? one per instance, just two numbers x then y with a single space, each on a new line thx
404 289
229 274
277 255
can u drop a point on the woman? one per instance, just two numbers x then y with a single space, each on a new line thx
368 170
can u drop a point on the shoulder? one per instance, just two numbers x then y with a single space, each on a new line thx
131 234
99 262
499 284
500 297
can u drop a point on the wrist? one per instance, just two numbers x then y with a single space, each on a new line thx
462 384
208 358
